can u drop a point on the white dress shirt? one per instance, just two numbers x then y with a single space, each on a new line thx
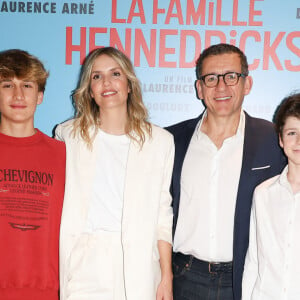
272 266
209 184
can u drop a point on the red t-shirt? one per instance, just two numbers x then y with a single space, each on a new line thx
32 179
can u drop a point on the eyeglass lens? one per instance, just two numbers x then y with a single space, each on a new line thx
212 80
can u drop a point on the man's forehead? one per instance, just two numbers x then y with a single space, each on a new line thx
222 60
222 56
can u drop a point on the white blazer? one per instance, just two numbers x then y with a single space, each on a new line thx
147 213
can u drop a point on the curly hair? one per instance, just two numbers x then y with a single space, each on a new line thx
87 112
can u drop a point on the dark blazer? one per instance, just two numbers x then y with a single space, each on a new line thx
261 149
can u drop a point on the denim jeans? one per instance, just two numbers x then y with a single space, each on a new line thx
194 283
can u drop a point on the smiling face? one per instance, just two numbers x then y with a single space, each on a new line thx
223 101
290 140
109 85
18 101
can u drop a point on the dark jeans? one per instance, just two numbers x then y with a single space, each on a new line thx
197 280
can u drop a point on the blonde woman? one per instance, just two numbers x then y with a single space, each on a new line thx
115 239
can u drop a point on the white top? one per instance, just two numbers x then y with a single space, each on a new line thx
106 203
209 184
272 266
147 212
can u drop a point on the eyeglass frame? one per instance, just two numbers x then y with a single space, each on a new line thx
222 75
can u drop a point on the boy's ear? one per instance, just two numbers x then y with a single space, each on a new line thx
40 97
280 141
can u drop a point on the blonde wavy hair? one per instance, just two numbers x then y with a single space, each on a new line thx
87 112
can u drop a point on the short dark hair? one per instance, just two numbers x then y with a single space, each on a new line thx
289 107
19 63
218 50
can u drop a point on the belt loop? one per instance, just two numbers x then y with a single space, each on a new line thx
209 269
190 261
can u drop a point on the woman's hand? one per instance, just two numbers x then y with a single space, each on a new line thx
165 290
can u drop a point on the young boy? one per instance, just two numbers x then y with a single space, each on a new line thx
272 266
32 177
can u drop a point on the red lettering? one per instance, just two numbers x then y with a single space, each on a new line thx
210 13
253 13
140 42
71 48
219 13
289 42
235 21
191 13
270 50
93 32
214 33
190 44
245 35
156 11
177 15
183 42
115 40
140 13
114 18
164 51
233 34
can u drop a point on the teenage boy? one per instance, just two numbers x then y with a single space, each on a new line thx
32 178
272 266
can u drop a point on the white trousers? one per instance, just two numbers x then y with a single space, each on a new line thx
96 268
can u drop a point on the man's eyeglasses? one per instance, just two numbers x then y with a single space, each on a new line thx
230 78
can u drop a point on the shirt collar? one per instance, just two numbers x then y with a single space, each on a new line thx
240 130
283 180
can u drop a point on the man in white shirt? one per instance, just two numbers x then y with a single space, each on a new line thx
220 157
272 265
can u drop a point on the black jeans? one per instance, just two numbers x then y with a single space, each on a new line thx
197 280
